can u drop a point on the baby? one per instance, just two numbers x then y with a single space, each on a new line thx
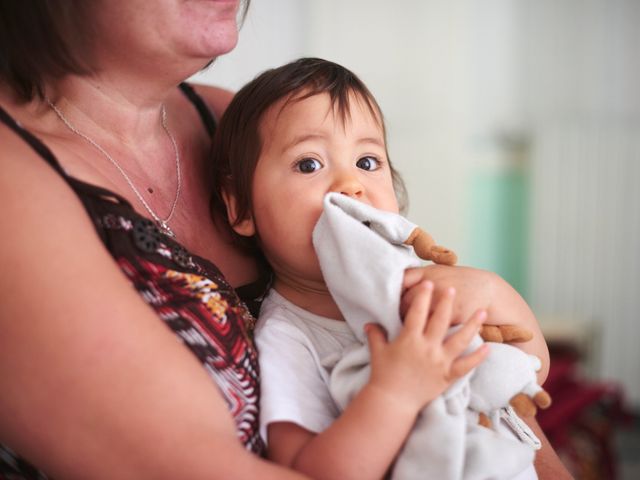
288 138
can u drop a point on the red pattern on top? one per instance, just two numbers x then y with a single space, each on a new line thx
207 316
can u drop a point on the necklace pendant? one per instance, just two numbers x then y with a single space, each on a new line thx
161 224
166 229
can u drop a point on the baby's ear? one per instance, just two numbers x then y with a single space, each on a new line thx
245 227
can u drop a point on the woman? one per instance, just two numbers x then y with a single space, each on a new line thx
103 160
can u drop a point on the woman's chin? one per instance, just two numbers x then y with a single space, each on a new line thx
214 44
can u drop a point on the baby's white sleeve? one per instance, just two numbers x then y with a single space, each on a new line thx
294 386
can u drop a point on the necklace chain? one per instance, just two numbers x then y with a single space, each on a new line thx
163 224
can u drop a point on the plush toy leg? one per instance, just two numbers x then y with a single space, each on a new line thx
526 406
523 405
505 333
483 420
542 399
426 248
491 333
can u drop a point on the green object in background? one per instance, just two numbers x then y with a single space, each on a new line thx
499 224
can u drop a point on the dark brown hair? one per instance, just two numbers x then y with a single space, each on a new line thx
237 143
41 40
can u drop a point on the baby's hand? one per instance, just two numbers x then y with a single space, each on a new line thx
481 289
422 362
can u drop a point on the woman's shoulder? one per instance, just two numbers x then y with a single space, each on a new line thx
35 196
25 141
20 151
216 98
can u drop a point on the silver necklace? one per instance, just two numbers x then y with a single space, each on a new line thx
163 224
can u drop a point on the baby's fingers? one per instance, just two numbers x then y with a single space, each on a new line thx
440 319
463 365
376 337
459 341
419 300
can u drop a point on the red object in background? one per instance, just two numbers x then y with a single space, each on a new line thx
582 418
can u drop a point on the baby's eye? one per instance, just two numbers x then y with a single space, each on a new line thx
368 163
308 165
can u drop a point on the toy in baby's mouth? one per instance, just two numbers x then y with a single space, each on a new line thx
472 430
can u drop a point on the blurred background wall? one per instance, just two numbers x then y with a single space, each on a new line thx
516 125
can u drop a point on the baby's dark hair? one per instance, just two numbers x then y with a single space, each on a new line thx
237 142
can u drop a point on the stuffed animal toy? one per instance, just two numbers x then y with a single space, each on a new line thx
460 434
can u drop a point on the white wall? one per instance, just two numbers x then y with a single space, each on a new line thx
418 67
413 56
273 33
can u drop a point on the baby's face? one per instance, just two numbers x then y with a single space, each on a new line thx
308 151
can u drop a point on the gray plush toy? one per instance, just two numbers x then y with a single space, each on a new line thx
469 432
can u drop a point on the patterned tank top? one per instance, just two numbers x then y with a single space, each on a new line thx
188 293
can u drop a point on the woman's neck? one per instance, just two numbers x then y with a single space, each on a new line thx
121 108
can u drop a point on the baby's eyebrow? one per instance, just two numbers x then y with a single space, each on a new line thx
320 136
302 138
374 140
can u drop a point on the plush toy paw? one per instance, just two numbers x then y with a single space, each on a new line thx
425 247
526 406
484 420
542 399
507 376
505 333
443 256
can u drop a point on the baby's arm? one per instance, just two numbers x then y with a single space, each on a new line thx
406 374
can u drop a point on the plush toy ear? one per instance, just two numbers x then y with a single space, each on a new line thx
245 227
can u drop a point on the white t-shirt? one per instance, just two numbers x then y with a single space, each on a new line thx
295 348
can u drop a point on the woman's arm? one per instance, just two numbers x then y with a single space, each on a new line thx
481 289
93 384
406 374
547 463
